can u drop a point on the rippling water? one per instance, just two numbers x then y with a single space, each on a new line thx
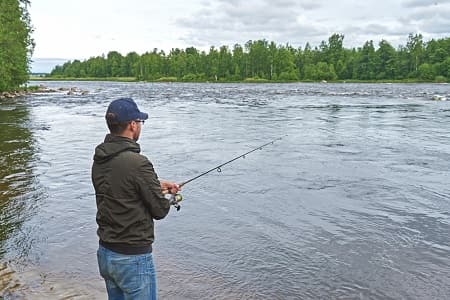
353 203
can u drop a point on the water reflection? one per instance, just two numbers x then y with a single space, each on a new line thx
17 185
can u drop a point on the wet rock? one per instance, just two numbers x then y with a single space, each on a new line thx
7 281
77 91
12 94
439 98
43 89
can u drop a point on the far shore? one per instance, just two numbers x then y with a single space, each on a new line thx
247 80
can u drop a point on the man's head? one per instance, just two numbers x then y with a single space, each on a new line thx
124 118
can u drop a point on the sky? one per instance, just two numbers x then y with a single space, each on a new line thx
66 30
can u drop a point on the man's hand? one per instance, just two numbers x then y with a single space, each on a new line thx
168 187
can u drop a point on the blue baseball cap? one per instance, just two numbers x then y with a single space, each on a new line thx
124 110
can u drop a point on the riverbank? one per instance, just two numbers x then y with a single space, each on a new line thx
116 79
246 80
24 91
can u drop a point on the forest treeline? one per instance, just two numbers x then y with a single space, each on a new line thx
264 60
16 45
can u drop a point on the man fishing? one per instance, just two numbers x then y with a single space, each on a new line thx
129 197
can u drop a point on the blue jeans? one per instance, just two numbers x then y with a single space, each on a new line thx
127 276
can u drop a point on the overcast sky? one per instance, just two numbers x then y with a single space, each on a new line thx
80 29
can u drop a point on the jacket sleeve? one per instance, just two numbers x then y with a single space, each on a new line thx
150 190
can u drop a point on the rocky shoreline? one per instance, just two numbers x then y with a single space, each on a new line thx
14 94
42 89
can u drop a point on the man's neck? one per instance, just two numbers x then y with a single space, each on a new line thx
125 134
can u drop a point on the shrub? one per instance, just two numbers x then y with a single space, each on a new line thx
189 77
440 79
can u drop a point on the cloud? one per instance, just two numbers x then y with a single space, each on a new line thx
282 4
377 29
441 27
423 3
236 21
430 13
166 24
432 20
226 22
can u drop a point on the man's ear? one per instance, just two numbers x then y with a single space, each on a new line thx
132 126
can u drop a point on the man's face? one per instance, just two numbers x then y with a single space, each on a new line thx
137 126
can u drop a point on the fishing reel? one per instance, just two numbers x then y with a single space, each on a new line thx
174 199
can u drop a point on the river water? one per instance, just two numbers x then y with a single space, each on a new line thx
352 203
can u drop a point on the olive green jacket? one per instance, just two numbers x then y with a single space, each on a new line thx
128 195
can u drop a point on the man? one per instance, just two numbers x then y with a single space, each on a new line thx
129 197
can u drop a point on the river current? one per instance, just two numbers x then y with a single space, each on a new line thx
352 203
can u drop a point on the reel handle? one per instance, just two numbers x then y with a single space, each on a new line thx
174 199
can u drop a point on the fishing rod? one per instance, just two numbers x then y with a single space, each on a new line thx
175 199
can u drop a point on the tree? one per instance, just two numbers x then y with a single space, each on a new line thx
267 60
386 60
366 63
414 45
325 71
238 62
285 64
131 65
426 72
225 68
335 48
16 45
115 64
310 72
213 64
258 52
192 61
446 68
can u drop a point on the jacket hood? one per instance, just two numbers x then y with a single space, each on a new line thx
112 146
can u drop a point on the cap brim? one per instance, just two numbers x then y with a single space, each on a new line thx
143 116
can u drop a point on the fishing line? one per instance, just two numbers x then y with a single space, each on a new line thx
175 199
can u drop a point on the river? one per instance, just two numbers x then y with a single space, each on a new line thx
352 203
